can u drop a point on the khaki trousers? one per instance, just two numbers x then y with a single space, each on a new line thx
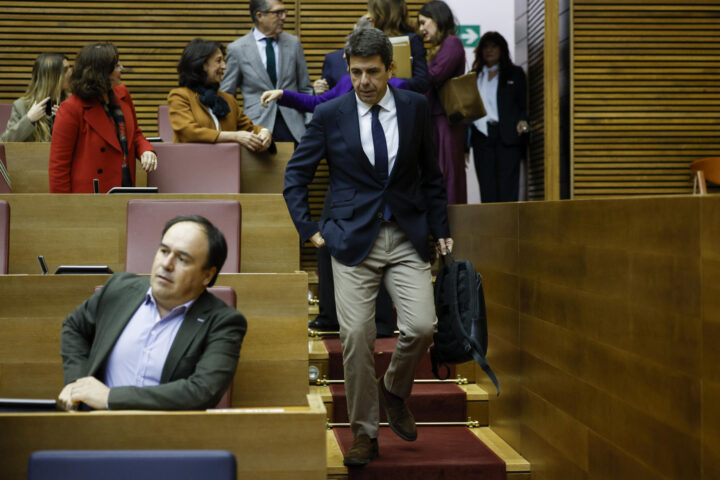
394 261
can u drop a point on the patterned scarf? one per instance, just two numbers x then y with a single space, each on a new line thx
114 112
208 96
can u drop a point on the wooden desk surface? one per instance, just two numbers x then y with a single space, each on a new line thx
27 164
271 443
80 229
273 360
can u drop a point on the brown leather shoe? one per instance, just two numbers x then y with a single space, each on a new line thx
399 417
363 450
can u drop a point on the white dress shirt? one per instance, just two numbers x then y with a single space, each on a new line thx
488 93
388 120
261 45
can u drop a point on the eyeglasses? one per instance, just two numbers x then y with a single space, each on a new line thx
278 13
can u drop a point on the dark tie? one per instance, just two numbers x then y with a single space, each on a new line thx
379 144
270 54
381 153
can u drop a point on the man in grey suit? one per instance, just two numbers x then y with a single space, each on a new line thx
163 343
266 59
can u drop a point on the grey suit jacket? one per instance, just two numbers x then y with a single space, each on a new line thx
199 367
245 70
19 127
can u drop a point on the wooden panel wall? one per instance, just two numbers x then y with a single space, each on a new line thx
151 37
603 322
646 94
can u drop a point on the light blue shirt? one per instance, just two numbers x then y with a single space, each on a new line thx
139 355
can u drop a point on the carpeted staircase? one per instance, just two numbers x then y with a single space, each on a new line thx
461 448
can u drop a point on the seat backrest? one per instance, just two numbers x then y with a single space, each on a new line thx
4 176
710 166
164 128
197 168
4 236
135 464
5 110
146 220
226 294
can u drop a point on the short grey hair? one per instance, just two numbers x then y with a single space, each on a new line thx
367 42
258 6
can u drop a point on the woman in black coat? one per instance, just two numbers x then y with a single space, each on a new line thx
499 138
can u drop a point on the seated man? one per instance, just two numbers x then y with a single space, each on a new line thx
163 343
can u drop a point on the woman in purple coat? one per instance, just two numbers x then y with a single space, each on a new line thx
447 60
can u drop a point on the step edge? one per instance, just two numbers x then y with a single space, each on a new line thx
514 462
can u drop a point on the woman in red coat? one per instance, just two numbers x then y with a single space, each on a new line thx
96 133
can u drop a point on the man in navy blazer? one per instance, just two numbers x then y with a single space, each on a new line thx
386 195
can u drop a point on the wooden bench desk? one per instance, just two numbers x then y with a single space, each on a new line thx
281 443
27 164
273 360
86 229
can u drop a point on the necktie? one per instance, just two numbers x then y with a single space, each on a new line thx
379 144
270 54
381 153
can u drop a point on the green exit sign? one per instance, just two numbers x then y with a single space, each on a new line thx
469 34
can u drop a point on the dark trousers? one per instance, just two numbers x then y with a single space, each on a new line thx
281 132
497 165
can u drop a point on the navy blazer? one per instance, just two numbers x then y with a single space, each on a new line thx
334 67
415 190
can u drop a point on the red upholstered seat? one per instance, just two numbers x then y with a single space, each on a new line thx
196 168
4 235
164 128
5 110
146 219
705 170
4 187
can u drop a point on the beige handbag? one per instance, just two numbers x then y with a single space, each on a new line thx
461 100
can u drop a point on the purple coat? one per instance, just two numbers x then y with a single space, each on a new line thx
307 103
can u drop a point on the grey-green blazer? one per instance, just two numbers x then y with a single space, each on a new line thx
199 367
19 127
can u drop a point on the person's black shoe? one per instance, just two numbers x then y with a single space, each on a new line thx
323 324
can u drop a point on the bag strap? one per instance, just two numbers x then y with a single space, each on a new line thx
480 359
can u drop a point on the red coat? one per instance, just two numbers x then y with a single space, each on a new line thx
85 146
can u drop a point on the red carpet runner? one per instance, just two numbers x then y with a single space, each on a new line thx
428 403
383 350
439 453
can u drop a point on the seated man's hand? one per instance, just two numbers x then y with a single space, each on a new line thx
88 390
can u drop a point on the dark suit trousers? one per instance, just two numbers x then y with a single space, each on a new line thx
497 165
281 132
